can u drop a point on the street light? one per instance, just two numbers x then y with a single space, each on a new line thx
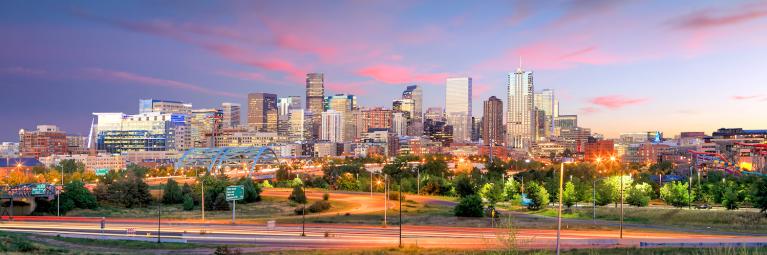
559 211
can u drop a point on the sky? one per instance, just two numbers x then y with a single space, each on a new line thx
621 66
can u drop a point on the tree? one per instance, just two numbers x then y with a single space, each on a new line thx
492 193
511 188
675 193
568 195
81 196
188 204
252 191
759 194
538 195
347 182
464 186
296 182
298 195
172 193
469 206
731 198
266 184
435 186
639 195
605 194
220 202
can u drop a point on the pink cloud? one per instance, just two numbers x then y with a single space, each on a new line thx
22 71
589 109
718 18
479 89
616 101
98 73
243 56
392 74
746 97
355 88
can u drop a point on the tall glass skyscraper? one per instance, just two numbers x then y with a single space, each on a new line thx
520 124
545 102
315 97
415 126
458 107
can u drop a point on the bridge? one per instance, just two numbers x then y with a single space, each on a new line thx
20 199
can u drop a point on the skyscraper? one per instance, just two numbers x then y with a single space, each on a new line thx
315 97
458 107
231 117
332 127
414 92
520 110
164 106
546 102
285 104
204 125
344 104
492 121
262 112
399 123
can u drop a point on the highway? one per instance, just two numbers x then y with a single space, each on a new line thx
345 236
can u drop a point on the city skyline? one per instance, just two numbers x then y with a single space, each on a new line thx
679 69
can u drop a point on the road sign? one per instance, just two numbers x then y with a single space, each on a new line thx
235 193
39 189
102 171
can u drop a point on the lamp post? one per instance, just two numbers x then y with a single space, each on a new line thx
159 214
303 211
594 190
621 177
559 211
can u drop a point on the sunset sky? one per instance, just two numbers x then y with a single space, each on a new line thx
622 66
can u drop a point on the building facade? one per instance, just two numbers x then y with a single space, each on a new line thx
520 124
315 97
45 141
492 121
262 112
231 115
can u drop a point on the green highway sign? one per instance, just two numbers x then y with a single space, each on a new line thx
235 193
102 171
39 189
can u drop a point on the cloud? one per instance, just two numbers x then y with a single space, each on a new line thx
711 18
479 89
589 109
614 102
112 75
22 71
245 57
355 88
392 74
746 97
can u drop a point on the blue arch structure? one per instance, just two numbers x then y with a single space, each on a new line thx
216 158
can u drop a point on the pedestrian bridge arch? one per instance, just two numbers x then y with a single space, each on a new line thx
219 158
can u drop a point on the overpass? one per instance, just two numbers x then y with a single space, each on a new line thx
20 199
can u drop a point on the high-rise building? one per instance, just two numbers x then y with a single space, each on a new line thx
458 107
231 115
299 125
204 125
315 97
399 123
520 112
151 131
414 93
163 106
377 118
332 128
285 104
564 122
435 114
546 102
344 104
262 112
45 141
492 121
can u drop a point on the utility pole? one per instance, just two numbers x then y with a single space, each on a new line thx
559 211
399 197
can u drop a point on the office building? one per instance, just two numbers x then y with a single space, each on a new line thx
458 107
434 114
299 125
332 127
151 131
164 106
45 141
285 104
203 125
231 115
399 123
520 111
547 107
492 121
377 118
564 122
262 112
9 150
315 97
415 123
344 104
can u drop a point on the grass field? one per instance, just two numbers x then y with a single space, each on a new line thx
736 221
268 208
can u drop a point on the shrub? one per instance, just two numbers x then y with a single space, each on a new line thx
188 202
326 196
568 195
266 184
319 206
128 192
469 206
492 193
435 186
675 194
220 202
300 210
252 191
297 195
638 195
172 193
759 191
730 200
538 195
80 196
464 186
